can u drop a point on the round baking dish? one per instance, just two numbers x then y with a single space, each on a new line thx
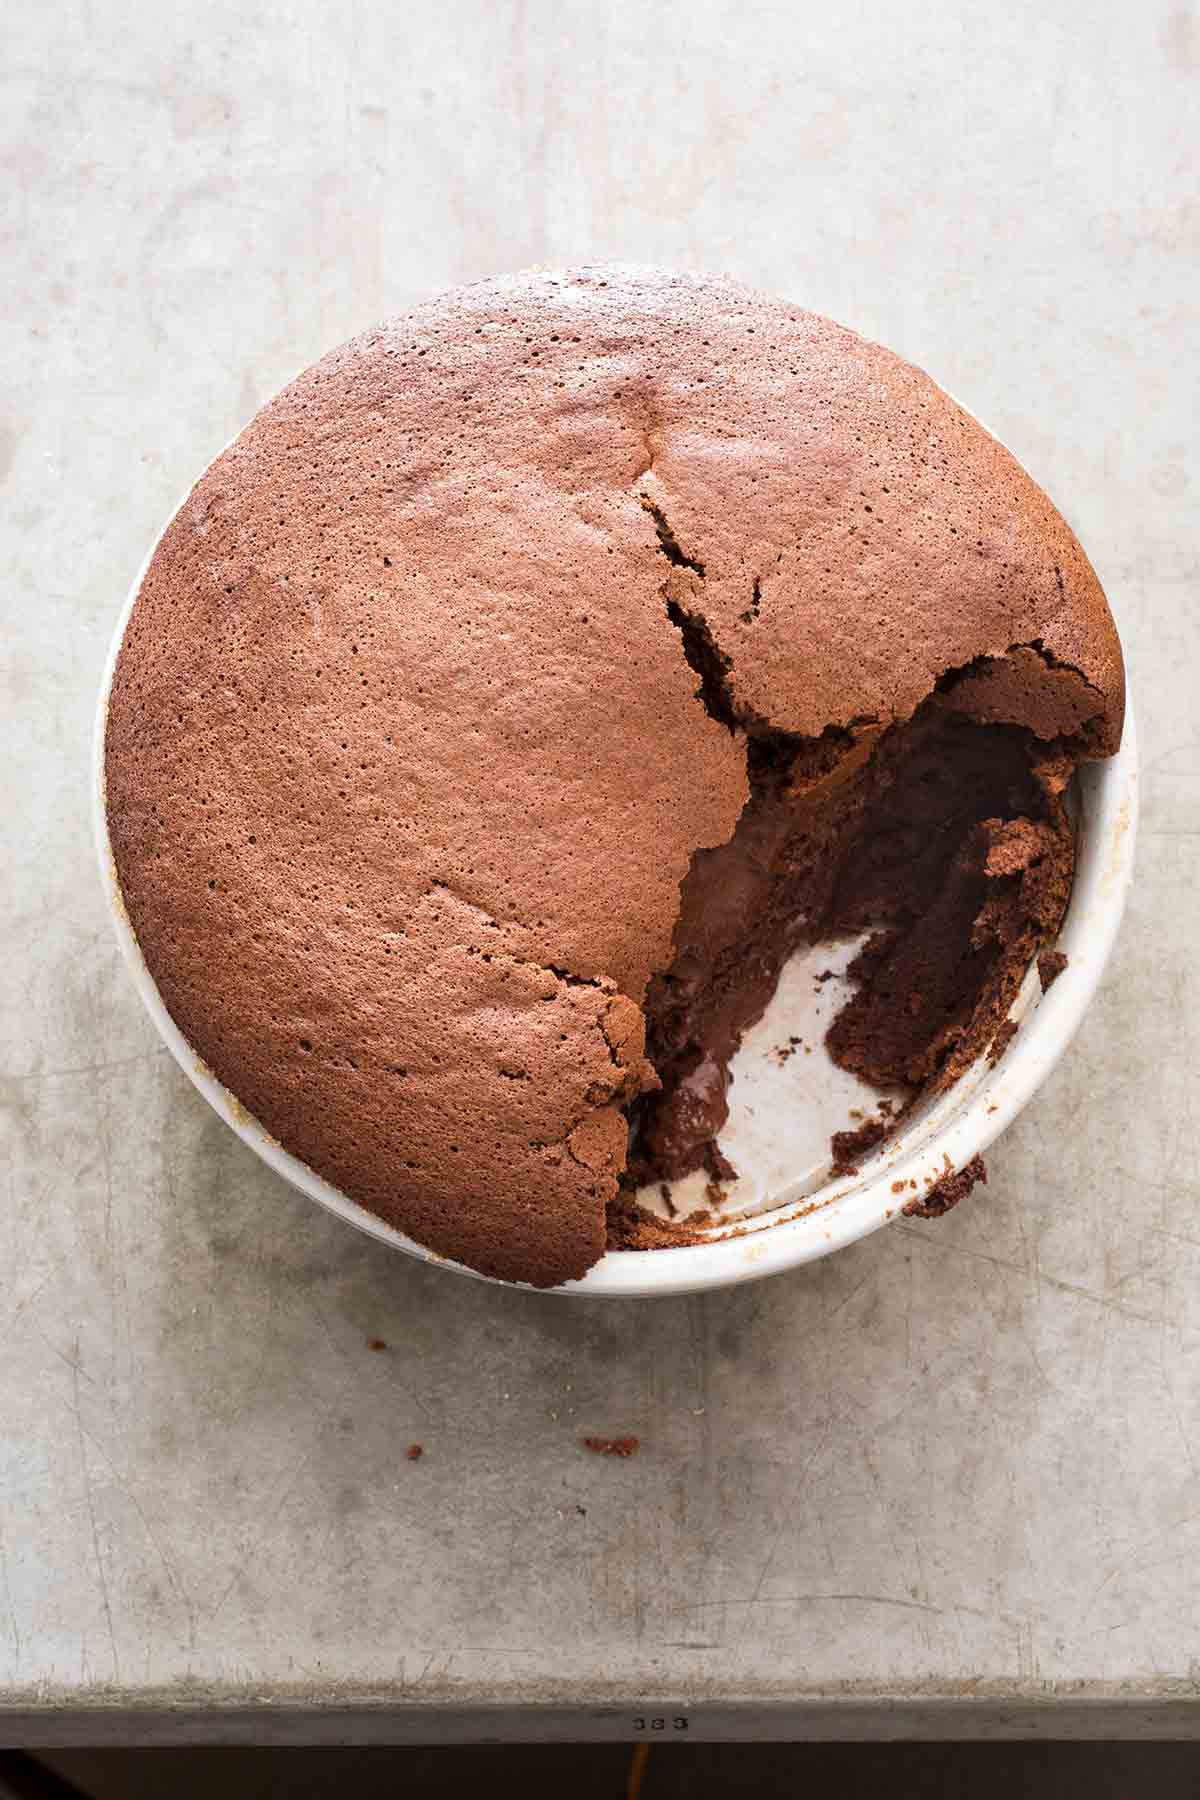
797 1221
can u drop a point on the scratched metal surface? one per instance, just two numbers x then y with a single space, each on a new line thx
960 1455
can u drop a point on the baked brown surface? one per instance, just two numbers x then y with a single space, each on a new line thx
405 759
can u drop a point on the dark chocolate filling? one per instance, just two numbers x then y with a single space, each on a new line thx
944 838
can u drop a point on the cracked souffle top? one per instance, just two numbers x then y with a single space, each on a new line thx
529 676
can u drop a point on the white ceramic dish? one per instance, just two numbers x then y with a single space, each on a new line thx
791 1215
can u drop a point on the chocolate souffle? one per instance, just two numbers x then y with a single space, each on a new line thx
530 679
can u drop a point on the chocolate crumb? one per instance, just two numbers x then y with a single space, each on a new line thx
618 1446
947 1192
1001 1041
664 1192
415 1452
719 1165
582 1511
849 1144
1050 964
376 1344
631 1227
898 1187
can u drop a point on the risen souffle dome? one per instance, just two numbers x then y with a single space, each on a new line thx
485 633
